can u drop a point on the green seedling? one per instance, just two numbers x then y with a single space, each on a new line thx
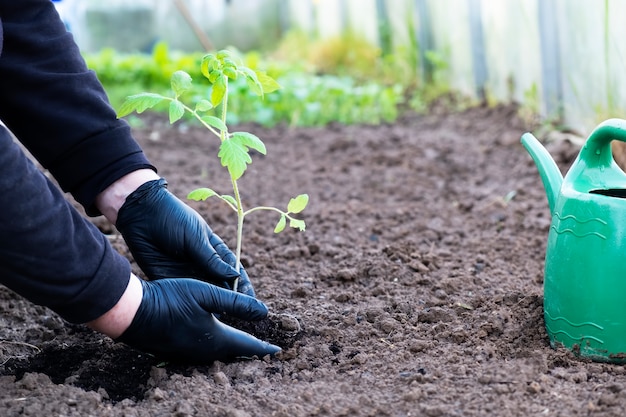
234 150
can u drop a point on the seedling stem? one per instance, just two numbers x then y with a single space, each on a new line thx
219 69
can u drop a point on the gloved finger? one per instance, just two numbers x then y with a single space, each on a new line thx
222 249
175 321
201 250
170 239
219 300
244 285
236 343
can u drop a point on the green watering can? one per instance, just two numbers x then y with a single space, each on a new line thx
585 265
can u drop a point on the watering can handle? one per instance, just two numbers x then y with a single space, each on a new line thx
597 149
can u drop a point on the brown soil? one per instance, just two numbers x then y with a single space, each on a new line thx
415 291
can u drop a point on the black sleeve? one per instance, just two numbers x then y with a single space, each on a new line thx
49 252
57 107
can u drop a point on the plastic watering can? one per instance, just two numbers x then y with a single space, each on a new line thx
585 264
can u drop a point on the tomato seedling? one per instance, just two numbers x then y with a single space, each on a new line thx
234 150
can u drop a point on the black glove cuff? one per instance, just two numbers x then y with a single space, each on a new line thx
144 190
136 323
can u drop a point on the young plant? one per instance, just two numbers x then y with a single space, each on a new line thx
220 68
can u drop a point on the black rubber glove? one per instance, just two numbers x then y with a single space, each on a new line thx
175 322
170 239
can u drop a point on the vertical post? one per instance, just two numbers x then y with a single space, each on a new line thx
284 16
384 29
550 58
343 9
424 39
479 63
314 15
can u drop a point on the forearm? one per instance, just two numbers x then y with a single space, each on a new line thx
113 197
115 321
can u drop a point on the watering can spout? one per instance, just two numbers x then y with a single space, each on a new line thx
548 170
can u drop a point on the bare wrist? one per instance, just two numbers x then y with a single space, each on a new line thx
113 197
115 321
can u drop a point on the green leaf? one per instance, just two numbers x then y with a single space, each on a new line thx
249 73
229 63
219 90
176 111
280 226
297 224
234 156
213 75
267 83
253 81
230 73
234 152
230 199
201 194
249 140
296 205
205 65
139 103
181 82
216 122
223 54
203 105
255 87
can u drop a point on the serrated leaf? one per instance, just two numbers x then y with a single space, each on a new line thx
201 194
203 105
234 156
297 204
219 90
181 82
280 226
234 152
216 122
297 224
267 83
139 103
176 111
249 140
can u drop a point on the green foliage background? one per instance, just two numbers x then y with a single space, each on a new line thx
343 80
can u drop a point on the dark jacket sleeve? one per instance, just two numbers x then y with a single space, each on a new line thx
57 107
49 253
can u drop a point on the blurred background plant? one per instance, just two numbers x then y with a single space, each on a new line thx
343 79
395 55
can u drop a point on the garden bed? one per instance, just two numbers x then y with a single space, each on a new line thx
416 289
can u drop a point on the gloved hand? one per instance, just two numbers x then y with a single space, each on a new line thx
175 322
170 239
